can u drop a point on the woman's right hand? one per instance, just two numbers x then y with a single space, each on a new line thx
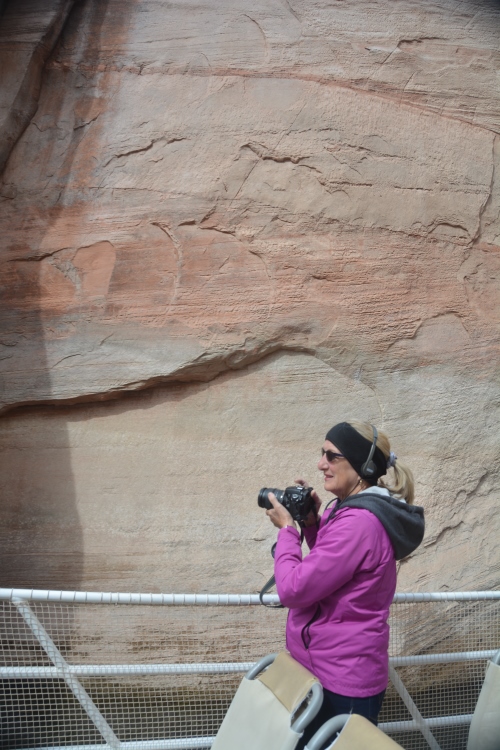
313 515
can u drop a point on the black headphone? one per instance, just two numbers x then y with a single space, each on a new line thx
368 470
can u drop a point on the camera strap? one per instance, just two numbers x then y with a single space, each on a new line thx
264 590
271 582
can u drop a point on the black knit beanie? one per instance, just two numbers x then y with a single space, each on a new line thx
356 449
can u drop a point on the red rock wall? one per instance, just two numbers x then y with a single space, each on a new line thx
267 218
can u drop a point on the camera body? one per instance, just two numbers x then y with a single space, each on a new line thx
297 500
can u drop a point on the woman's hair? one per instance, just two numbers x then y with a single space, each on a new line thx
399 478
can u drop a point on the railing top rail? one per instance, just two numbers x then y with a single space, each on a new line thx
445 596
101 597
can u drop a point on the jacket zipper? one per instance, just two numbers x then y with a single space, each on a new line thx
305 630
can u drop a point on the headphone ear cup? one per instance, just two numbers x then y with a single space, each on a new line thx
368 469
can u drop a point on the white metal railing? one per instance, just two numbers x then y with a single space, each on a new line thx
58 668
221 600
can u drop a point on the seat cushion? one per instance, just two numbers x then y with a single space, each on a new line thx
255 719
484 733
289 681
360 734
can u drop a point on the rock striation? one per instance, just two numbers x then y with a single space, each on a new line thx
240 224
28 34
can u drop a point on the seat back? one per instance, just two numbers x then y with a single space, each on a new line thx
289 681
484 733
262 713
356 733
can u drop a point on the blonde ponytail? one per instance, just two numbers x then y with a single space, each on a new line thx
399 478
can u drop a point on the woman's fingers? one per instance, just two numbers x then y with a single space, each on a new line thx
316 498
302 482
314 494
273 500
278 515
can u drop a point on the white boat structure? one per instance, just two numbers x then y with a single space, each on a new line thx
135 671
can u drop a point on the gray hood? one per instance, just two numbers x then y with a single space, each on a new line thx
404 524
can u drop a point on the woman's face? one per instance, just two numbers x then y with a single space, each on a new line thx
339 476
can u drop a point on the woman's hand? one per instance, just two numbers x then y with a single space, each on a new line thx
279 515
313 515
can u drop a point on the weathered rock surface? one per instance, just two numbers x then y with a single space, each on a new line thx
159 491
294 193
28 33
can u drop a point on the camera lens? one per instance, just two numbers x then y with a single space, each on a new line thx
263 497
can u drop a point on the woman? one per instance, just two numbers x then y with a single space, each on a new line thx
339 595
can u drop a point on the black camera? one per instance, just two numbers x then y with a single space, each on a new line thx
297 500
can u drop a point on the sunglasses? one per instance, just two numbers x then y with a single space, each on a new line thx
331 456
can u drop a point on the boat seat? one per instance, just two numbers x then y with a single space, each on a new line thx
351 732
271 708
484 732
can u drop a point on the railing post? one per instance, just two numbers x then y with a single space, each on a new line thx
71 681
412 708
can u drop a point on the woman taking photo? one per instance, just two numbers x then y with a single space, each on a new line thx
340 594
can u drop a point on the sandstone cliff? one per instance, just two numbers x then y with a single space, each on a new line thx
225 226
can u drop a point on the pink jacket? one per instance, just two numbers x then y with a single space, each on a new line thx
339 597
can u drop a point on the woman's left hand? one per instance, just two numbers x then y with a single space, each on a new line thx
279 515
314 495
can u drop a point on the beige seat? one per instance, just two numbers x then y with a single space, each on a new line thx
351 732
484 733
271 708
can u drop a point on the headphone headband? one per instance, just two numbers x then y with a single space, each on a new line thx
369 469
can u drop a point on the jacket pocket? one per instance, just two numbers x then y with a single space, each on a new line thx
305 632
